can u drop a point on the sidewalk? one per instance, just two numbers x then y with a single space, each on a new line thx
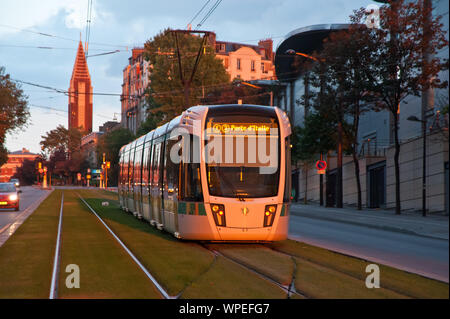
435 226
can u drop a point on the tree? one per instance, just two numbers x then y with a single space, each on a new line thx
110 144
166 93
317 136
237 91
150 123
14 112
27 173
406 61
61 141
347 55
61 138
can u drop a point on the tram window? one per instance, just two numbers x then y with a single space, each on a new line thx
288 177
137 165
130 167
238 170
125 169
190 174
145 164
155 164
170 169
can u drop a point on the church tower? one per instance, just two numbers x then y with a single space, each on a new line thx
80 94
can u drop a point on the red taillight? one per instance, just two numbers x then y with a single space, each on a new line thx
218 211
269 215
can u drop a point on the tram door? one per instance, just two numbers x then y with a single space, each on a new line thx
170 188
377 185
295 185
157 181
331 188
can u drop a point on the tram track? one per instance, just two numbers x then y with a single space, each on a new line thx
288 289
158 286
56 260
318 264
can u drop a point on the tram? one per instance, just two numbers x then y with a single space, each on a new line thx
214 173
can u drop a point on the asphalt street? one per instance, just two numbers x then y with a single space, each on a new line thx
417 254
28 196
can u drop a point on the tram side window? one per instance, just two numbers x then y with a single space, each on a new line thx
145 165
155 164
171 172
288 177
191 181
138 166
125 169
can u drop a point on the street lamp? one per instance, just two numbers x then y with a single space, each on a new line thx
293 52
414 118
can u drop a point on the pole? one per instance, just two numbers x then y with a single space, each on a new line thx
426 96
424 177
321 184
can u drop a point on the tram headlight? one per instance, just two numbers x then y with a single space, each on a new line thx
269 215
218 211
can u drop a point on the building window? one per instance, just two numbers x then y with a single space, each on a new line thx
222 47
238 76
238 64
253 65
226 63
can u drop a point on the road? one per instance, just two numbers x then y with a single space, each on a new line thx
28 196
426 256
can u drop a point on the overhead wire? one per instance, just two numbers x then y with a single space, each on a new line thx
208 14
198 12
88 27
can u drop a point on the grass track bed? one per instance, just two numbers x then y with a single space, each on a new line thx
26 258
180 266
397 281
106 270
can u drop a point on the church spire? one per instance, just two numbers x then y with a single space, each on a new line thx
80 94
80 68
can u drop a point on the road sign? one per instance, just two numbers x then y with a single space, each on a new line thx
321 165
320 171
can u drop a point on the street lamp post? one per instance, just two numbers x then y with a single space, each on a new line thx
424 160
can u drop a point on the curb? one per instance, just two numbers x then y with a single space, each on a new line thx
388 228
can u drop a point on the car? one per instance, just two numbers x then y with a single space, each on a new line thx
9 196
15 181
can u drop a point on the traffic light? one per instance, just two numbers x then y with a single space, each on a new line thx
108 165
40 165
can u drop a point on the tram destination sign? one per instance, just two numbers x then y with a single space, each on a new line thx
240 128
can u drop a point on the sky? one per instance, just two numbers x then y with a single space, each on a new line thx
119 25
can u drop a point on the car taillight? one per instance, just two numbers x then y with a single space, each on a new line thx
218 211
269 215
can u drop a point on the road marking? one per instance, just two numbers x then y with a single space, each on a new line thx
4 228
147 273
54 287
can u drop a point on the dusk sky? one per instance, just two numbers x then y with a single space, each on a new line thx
118 25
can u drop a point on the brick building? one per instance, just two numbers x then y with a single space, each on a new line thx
247 62
242 61
15 160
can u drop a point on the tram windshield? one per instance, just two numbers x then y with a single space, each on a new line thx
242 156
